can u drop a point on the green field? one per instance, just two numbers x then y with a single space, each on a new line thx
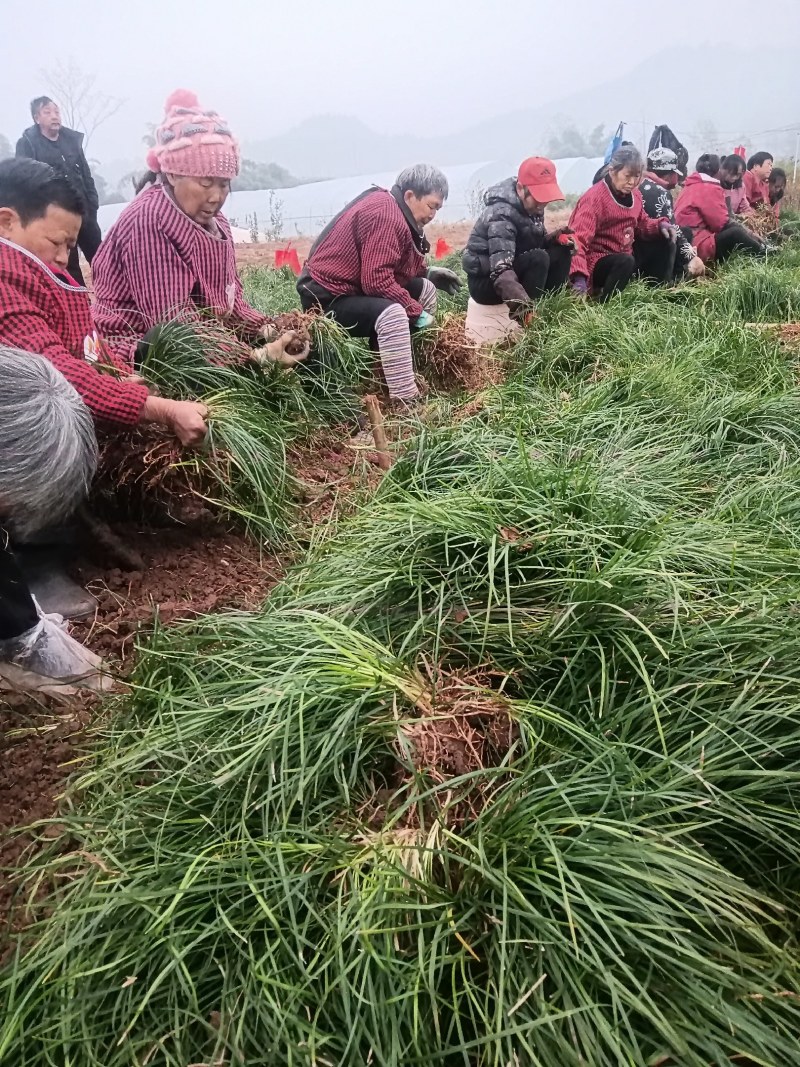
506 771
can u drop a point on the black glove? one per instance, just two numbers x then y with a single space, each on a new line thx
508 287
446 280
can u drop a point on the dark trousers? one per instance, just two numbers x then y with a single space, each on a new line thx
17 610
736 238
655 261
541 270
358 314
89 240
612 274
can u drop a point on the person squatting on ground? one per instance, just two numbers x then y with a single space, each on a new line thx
703 210
756 178
609 222
48 455
170 253
49 142
731 177
43 311
510 260
367 270
661 178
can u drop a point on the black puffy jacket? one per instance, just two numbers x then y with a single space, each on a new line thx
65 155
502 233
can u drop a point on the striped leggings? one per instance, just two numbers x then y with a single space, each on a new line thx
384 322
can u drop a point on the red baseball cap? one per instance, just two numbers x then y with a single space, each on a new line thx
539 176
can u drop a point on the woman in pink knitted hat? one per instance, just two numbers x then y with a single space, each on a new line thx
170 253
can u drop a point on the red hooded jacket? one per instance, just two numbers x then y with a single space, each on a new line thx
703 209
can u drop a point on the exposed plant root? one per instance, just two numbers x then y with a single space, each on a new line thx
461 727
144 471
300 323
452 360
762 222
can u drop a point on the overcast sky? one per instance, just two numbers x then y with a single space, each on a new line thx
407 66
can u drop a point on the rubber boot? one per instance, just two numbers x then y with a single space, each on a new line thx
44 570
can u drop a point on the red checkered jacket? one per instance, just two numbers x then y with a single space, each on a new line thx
370 251
604 227
157 264
47 313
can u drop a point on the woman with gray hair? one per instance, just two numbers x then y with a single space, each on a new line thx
367 269
608 221
48 455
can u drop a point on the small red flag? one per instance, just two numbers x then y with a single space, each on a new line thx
740 151
293 260
443 249
280 258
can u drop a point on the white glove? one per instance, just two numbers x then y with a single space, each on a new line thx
275 351
46 654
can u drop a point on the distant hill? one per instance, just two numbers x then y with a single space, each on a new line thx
692 89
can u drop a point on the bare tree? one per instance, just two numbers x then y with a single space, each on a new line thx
83 105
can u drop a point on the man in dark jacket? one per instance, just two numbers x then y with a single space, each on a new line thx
663 174
50 142
510 259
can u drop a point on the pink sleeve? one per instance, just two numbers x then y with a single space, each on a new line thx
649 229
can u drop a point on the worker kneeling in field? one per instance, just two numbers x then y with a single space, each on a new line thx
170 254
367 269
510 259
703 210
48 455
609 223
661 178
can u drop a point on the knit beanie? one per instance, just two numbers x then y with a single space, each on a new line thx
193 143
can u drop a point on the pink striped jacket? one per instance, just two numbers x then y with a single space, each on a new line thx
157 264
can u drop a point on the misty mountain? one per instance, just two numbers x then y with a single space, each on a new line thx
694 90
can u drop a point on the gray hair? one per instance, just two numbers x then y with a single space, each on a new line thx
48 450
423 179
627 157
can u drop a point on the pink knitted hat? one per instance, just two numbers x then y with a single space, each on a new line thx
193 143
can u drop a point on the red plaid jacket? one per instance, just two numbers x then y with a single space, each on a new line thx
46 313
604 227
370 251
157 264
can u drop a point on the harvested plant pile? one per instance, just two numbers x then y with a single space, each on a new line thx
763 222
254 414
505 772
